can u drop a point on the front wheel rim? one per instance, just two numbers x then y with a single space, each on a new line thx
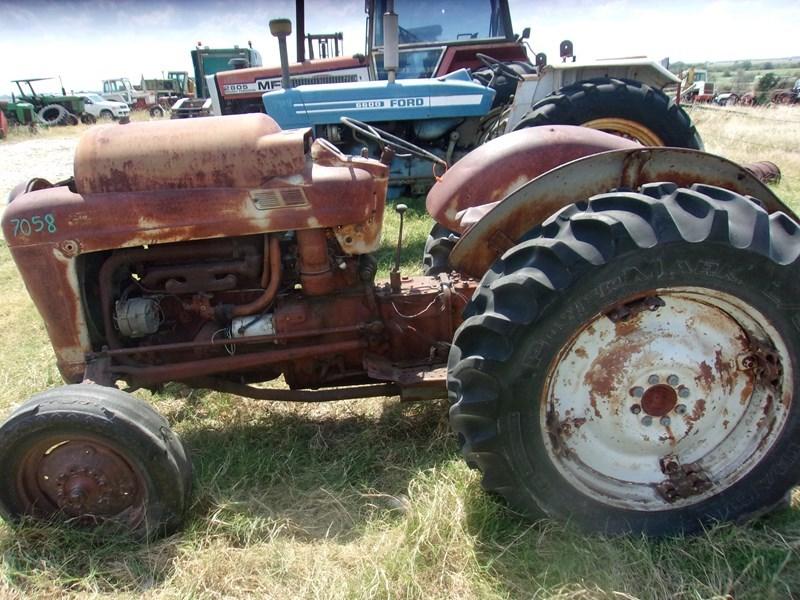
82 479
666 400
627 129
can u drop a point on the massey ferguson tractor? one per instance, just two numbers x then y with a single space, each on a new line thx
617 328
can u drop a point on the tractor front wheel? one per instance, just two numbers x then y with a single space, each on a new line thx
630 109
632 366
93 456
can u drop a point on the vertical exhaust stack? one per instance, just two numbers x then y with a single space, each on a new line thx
281 28
391 41
300 21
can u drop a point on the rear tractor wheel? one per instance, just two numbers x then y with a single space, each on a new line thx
436 256
53 114
93 456
632 365
630 109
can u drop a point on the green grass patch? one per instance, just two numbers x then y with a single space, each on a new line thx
370 499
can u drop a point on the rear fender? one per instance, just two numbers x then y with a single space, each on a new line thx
494 170
505 222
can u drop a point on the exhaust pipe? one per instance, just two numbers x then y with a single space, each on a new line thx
391 41
281 28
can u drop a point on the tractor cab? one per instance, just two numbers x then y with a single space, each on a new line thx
434 38
442 36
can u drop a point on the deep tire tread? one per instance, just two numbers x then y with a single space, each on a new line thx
553 256
614 97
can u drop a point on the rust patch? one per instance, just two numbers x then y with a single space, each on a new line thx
699 410
727 376
581 352
747 391
607 372
706 375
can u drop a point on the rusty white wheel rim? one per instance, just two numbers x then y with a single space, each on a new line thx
670 405
626 128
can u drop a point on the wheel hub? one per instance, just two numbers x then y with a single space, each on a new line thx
659 400
671 382
84 479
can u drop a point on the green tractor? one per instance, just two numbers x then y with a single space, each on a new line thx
16 114
53 109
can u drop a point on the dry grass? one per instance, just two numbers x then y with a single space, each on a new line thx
369 499
16 134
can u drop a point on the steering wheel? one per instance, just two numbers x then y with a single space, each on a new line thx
384 138
495 66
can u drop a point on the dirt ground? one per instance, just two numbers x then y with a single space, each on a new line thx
49 157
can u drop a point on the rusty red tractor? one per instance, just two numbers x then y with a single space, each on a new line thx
616 327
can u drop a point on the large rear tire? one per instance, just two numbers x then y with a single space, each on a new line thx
93 456
632 366
623 107
53 114
436 255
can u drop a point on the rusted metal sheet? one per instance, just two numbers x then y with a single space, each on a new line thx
239 151
583 178
764 170
494 170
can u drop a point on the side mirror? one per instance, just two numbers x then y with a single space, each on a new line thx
526 33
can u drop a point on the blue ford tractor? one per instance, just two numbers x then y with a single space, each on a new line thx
425 80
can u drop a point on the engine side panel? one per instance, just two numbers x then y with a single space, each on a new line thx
406 99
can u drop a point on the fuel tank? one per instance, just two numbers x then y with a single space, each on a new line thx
237 151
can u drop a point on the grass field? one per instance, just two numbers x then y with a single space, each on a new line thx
369 499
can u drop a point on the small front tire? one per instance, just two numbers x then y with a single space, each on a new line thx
93 456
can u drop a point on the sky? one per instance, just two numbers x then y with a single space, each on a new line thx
86 41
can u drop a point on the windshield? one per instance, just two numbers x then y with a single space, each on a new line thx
444 20
94 97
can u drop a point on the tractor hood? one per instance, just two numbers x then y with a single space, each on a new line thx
454 95
221 152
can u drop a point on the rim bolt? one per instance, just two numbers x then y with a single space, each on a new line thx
637 392
647 420
680 409
664 421
636 409
653 379
673 380
683 392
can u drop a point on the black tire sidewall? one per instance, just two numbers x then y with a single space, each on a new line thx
624 99
153 451
752 280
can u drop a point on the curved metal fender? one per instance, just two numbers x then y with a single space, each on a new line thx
508 220
494 170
